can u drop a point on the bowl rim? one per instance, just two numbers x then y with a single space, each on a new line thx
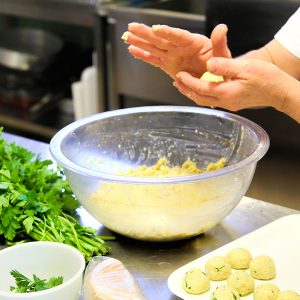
43 244
63 161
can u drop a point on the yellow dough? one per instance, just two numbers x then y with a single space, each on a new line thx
288 295
225 293
195 282
207 76
217 268
242 282
262 267
266 291
239 258
123 207
162 169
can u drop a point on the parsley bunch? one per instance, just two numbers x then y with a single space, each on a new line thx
26 285
36 202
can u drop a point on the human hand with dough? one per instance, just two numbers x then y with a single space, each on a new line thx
268 76
254 80
173 49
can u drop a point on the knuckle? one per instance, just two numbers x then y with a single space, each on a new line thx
221 66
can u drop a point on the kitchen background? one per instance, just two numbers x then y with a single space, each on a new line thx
78 65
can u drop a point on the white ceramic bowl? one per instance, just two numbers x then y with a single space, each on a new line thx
44 259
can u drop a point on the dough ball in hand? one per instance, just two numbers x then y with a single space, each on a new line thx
207 76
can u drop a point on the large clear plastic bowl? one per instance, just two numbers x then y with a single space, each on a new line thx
94 150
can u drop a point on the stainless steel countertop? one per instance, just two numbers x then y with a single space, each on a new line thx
152 263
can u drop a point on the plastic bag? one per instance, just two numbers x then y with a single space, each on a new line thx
107 278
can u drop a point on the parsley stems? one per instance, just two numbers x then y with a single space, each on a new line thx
36 202
68 231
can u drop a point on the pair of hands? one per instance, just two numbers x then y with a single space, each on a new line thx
185 56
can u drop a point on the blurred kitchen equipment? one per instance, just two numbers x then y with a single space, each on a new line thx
33 99
85 93
28 49
94 150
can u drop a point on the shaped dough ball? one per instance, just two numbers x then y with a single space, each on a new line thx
242 282
217 268
288 295
266 291
225 293
195 282
239 258
262 267
207 76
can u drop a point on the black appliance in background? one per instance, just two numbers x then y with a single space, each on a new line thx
251 23
36 70
29 94
25 55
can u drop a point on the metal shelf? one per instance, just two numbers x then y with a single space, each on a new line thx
76 12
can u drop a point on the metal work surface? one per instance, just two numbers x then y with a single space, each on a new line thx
152 263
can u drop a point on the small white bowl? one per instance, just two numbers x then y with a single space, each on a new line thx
44 259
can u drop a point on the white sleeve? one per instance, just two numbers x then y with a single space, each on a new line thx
289 35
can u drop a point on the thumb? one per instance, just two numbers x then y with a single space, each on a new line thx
226 67
219 41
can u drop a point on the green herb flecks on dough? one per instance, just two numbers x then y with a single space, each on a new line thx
219 269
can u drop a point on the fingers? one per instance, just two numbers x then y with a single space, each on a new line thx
130 38
202 100
146 33
224 94
202 92
219 41
145 56
176 36
226 67
201 87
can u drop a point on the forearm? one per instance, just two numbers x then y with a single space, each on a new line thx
261 54
290 105
276 54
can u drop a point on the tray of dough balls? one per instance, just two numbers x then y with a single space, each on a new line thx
262 265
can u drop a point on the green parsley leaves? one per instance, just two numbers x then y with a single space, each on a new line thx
36 203
26 285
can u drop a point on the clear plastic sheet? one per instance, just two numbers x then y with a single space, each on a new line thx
107 278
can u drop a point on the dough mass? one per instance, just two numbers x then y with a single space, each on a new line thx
162 169
154 211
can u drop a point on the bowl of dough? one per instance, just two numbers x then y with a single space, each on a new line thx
160 173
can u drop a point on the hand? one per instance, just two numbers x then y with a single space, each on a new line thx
173 49
247 83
